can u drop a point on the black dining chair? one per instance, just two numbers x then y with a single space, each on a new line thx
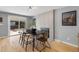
43 39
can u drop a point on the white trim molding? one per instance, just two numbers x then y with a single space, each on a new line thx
67 43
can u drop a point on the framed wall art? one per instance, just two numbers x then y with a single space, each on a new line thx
1 20
69 18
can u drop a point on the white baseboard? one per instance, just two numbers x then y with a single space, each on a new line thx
67 43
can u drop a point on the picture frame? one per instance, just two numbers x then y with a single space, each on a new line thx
1 20
69 18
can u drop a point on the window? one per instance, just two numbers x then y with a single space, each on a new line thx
22 24
14 24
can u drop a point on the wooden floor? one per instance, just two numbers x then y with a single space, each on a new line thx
12 45
61 47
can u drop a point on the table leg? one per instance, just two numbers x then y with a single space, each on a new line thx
33 43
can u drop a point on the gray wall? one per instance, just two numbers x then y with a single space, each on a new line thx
4 25
45 20
66 33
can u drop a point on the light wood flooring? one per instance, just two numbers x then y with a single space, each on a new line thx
12 45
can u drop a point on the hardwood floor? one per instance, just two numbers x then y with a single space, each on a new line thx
12 45
7 45
61 47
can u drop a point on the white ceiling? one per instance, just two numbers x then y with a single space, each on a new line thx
24 10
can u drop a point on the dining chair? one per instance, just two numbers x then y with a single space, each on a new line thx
43 39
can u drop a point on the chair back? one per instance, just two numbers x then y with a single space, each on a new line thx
33 31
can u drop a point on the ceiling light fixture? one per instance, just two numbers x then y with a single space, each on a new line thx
32 7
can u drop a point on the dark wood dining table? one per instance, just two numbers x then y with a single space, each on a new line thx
34 38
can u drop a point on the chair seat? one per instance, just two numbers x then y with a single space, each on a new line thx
42 39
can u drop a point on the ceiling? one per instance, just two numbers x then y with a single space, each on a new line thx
26 11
